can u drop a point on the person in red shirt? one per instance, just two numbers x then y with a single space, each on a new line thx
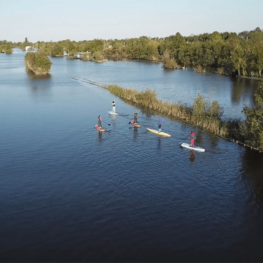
192 137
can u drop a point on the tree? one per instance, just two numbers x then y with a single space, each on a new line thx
237 56
252 127
57 50
199 106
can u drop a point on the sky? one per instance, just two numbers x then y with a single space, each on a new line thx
54 20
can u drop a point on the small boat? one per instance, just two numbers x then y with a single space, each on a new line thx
159 133
195 148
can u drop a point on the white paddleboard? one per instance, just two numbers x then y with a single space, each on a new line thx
159 133
195 148
113 113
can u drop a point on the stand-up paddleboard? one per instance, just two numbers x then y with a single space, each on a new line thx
137 125
195 148
113 113
100 129
159 133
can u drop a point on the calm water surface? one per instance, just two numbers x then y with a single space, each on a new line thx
71 194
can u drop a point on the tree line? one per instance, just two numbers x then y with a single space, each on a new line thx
6 47
228 53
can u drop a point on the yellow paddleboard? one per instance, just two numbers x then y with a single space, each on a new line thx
159 133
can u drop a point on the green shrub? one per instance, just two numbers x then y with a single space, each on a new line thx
37 63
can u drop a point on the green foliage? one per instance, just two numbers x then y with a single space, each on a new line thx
93 46
215 110
169 63
37 63
98 56
57 50
252 127
232 53
6 47
199 106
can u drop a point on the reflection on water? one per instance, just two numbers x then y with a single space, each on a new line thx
135 133
33 76
243 90
252 162
100 137
192 156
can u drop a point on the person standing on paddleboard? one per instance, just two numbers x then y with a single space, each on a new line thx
135 117
192 137
113 106
159 124
99 121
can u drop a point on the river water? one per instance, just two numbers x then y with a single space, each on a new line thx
71 194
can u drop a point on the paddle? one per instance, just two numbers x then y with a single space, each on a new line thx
183 141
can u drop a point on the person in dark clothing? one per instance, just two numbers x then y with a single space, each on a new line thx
135 117
113 106
159 124
99 121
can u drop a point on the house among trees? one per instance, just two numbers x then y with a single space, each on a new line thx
28 48
79 55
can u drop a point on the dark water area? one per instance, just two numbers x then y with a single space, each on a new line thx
71 194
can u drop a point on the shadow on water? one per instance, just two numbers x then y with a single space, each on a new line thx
100 137
253 166
159 145
213 140
135 133
199 139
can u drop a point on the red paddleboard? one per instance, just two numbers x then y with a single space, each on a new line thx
100 129
135 124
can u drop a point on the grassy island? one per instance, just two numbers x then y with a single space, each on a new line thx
37 63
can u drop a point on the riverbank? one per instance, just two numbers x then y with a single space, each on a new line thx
246 77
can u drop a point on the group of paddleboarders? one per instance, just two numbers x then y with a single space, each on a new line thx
135 119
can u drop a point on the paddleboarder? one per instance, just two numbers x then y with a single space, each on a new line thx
159 124
113 106
192 137
99 121
135 117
